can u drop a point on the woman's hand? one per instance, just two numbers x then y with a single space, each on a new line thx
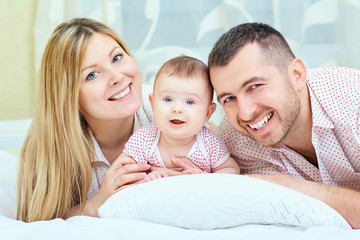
123 173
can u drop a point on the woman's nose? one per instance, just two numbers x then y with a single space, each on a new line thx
115 77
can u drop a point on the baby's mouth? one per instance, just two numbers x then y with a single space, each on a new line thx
177 121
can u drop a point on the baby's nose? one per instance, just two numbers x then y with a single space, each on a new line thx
177 109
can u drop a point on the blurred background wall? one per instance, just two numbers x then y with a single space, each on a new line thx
17 55
321 32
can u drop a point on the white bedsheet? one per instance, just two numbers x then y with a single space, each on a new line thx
82 227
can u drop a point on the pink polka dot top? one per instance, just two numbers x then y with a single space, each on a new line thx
207 152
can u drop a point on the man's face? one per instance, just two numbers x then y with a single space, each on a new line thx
258 100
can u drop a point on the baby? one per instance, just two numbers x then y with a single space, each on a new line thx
182 104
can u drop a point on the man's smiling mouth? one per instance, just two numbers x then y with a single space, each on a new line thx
260 124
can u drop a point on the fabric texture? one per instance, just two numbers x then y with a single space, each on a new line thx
218 201
207 151
335 104
143 117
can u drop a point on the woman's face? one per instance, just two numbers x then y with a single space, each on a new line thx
110 87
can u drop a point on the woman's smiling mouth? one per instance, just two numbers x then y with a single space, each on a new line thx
121 94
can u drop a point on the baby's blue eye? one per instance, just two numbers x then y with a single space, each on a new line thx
168 100
91 75
190 102
117 58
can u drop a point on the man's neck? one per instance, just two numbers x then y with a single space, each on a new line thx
299 136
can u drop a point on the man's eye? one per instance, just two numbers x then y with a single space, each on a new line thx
255 86
190 102
91 75
168 99
229 99
117 58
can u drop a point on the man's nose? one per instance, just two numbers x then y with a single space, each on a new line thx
246 109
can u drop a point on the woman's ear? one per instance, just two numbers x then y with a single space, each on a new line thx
297 72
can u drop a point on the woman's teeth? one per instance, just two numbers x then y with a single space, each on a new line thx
121 95
262 122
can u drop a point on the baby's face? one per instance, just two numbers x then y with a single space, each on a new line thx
181 106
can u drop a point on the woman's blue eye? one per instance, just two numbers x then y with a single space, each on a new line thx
190 102
168 100
91 75
117 58
229 99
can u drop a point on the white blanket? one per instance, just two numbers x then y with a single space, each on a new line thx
82 227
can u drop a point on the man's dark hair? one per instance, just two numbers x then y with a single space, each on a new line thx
275 48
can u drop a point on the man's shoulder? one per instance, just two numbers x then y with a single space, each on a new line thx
334 83
334 92
332 74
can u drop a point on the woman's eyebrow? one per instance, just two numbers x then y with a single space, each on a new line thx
113 50
110 54
93 65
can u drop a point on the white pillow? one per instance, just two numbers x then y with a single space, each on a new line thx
215 201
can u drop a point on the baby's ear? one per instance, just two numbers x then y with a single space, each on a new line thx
211 110
151 100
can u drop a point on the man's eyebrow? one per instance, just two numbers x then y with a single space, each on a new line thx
247 82
222 95
253 79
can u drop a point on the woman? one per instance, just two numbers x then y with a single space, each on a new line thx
88 105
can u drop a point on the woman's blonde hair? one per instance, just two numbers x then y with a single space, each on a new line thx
55 161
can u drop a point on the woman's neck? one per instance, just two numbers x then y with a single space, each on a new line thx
112 136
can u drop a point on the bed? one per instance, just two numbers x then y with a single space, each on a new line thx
204 206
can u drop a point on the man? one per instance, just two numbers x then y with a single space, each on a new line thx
282 118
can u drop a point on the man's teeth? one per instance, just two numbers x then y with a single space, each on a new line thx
262 122
121 95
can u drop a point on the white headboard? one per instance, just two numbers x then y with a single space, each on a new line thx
12 134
